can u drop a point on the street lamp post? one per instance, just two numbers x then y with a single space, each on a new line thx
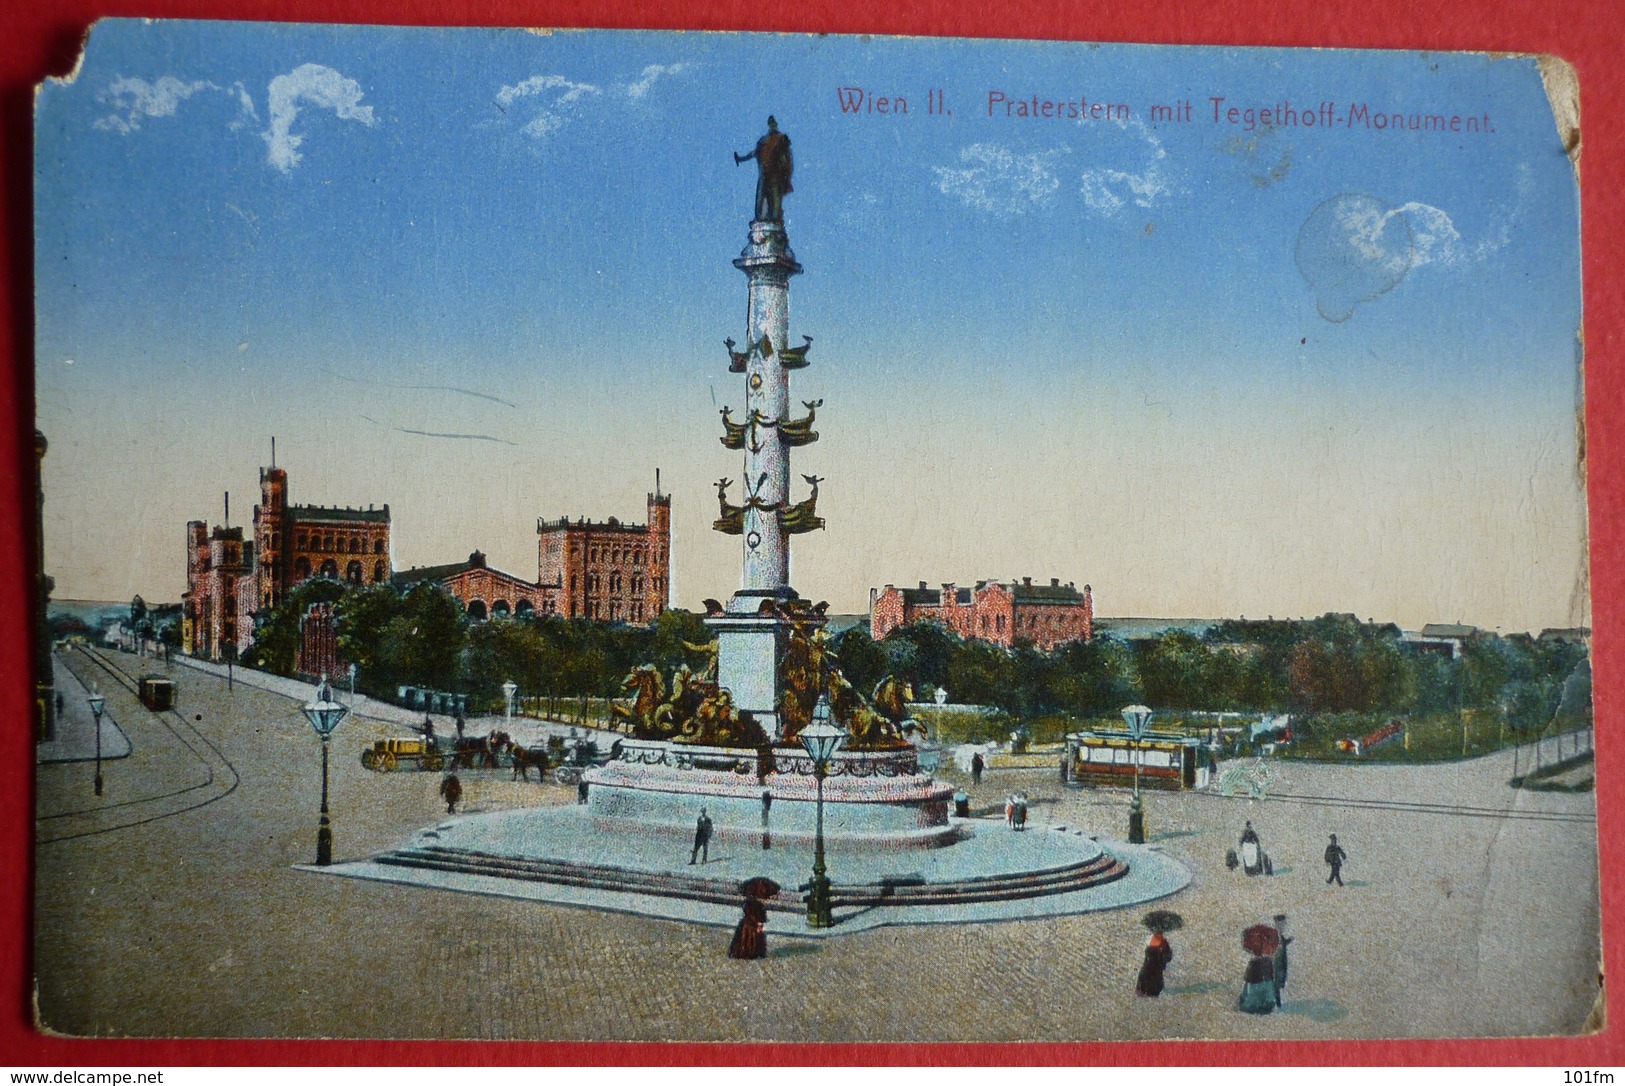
509 689
352 684
821 739
97 702
1137 717
324 715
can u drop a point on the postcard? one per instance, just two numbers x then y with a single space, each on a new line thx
646 536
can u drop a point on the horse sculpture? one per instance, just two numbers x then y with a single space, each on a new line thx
649 692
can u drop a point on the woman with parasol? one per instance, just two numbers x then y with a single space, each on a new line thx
1258 986
750 936
1158 953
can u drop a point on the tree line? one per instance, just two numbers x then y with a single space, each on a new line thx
1333 664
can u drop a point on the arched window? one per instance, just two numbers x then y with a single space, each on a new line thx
327 542
523 607
352 573
301 568
379 573
330 569
378 547
355 545
499 609
476 610
301 541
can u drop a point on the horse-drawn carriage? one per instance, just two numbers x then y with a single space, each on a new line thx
388 755
566 758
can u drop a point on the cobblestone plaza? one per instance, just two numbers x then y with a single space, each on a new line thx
172 906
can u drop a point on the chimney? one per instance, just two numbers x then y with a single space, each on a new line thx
1055 582
922 586
1026 582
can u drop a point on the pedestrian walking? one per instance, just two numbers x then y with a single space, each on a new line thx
1258 992
1335 857
1019 814
1278 959
750 938
702 839
1010 809
460 724
977 764
59 703
1158 952
451 790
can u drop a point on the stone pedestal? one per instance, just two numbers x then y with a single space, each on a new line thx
872 800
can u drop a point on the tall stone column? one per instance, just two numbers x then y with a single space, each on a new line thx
769 264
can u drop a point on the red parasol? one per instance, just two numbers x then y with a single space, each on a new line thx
1260 940
761 887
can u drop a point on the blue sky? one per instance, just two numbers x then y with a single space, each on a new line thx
1209 370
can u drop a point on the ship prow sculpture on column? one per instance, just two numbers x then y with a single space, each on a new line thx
729 732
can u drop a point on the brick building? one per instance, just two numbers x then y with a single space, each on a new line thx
217 611
610 571
1003 613
229 579
297 542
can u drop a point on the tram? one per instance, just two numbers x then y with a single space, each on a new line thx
1172 762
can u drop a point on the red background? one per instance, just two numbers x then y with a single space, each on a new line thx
42 38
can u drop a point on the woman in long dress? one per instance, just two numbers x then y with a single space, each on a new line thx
1258 987
1157 956
750 936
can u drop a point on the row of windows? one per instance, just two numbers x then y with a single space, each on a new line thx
604 552
353 544
330 570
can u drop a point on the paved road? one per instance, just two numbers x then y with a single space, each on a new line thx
194 923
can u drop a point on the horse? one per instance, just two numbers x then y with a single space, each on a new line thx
523 759
469 747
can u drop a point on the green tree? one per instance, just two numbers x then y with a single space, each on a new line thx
277 634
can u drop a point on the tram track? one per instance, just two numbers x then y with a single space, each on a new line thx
1455 810
221 780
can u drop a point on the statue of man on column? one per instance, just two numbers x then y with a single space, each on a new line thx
773 169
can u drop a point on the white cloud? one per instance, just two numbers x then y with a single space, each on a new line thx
647 78
1138 177
994 179
554 104
134 100
312 84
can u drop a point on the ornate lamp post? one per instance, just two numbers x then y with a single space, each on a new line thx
509 688
1137 717
821 739
97 702
324 715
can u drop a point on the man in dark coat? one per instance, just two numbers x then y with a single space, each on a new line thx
977 764
773 169
1278 960
702 839
1334 858
451 790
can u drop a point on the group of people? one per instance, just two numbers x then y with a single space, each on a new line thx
1249 855
1266 944
1263 981
1015 810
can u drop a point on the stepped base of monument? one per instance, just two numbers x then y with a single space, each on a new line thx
566 856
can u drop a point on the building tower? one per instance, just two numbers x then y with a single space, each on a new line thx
657 574
750 634
270 520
